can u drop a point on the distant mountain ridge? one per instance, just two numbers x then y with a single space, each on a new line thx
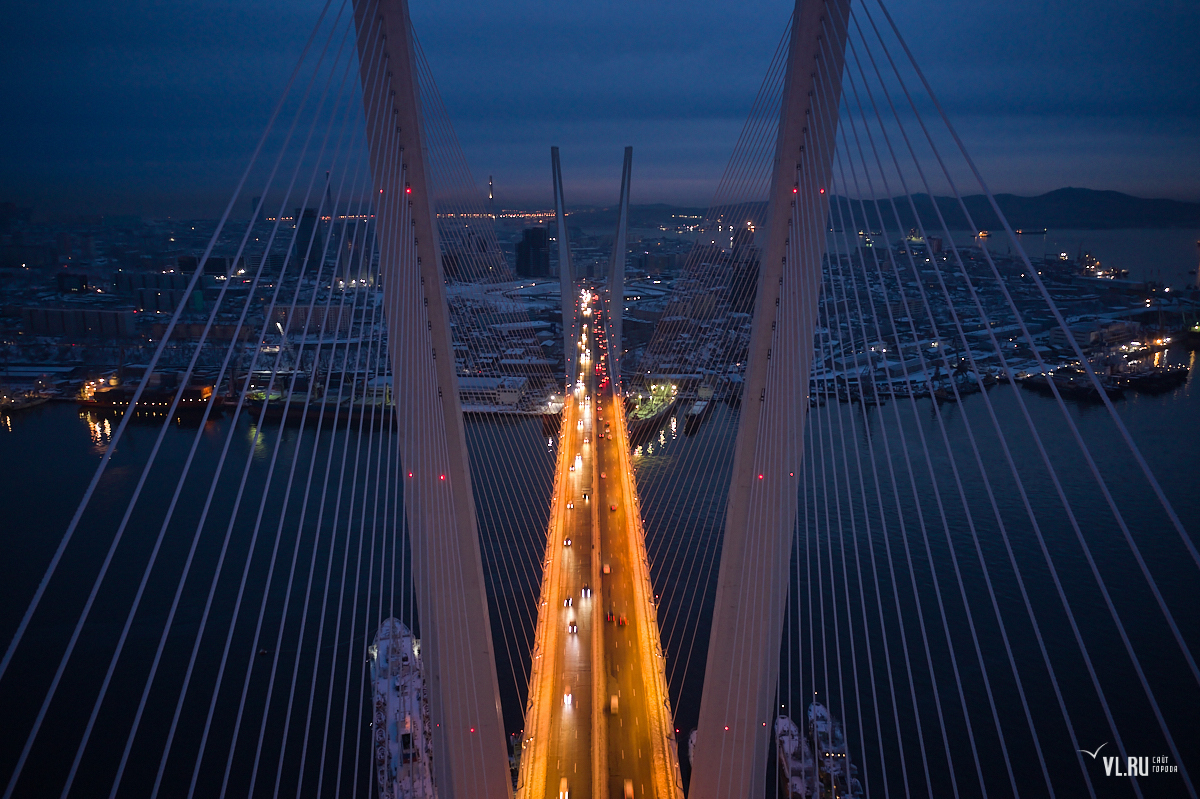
1069 208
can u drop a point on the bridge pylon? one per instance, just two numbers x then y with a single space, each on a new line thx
470 755
566 273
615 288
738 703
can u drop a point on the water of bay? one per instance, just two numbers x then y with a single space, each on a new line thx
50 453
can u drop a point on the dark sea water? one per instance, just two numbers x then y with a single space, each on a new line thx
853 633
307 575
1167 256
879 618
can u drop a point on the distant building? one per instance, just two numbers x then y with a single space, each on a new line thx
166 300
308 229
311 321
1090 334
467 258
130 282
79 321
533 253
491 391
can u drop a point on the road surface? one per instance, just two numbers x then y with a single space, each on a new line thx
616 726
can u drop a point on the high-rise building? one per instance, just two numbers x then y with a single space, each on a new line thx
308 228
533 253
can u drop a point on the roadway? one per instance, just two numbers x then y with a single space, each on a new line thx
614 650
640 741
561 712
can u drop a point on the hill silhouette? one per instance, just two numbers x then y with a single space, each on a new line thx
1067 208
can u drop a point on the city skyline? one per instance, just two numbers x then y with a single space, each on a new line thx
141 111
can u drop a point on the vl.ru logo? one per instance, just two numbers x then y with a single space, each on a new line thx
1133 766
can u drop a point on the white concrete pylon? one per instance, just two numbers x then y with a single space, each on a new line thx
470 754
616 274
738 703
566 274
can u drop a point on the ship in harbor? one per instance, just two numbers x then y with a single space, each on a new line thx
699 411
815 763
156 400
649 412
13 400
401 730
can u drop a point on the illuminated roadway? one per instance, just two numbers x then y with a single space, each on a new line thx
602 659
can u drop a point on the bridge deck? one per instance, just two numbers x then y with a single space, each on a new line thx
615 652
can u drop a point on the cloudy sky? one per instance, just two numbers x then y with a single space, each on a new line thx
151 108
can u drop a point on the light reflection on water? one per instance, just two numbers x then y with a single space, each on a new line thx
99 428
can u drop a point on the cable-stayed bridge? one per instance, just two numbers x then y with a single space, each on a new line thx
417 540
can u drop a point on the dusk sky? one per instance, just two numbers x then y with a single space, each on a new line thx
152 108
